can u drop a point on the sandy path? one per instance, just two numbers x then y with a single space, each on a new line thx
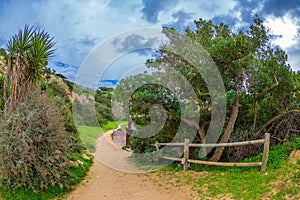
113 156
103 182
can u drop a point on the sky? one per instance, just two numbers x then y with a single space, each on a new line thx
80 26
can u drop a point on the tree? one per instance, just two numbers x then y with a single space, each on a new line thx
36 126
28 53
259 84
2 74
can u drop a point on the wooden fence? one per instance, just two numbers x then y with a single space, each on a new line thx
186 145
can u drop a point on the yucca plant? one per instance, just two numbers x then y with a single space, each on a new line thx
28 53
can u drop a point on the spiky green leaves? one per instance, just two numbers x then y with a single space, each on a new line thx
28 53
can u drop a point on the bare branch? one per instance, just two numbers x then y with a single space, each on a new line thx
275 118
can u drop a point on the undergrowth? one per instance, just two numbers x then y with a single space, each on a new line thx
74 176
282 180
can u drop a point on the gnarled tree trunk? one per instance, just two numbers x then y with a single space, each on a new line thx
229 129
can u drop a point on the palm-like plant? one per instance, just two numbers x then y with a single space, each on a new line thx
28 53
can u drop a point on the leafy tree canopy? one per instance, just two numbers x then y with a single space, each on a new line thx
260 87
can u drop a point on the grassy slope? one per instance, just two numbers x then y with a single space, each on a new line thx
89 134
237 183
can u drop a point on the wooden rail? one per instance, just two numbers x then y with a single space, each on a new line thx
186 145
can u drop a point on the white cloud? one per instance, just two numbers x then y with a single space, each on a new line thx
78 26
208 9
71 22
199 9
286 27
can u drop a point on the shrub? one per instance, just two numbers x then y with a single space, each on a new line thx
154 158
77 173
34 144
58 91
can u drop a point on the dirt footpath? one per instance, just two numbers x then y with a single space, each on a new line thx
106 181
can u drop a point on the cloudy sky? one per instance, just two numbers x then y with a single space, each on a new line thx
79 26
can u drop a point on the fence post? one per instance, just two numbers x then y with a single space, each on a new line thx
156 146
186 154
265 153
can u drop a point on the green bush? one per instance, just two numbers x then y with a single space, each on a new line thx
74 176
154 158
34 144
58 91
278 154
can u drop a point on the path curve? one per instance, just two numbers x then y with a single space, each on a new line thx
103 182
113 156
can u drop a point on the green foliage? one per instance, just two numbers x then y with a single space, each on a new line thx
77 173
110 125
103 112
104 95
2 52
279 154
237 185
103 108
28 54
34 144
84 113
37 130
280 182
74 176
140 104
152 158
57 90
149 158
254 73
89 114
69 84
34 45
88 136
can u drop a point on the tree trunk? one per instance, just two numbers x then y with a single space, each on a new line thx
255 114
6 82
229 129
203 151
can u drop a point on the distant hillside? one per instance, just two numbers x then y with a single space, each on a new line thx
83 98
70 72
86 103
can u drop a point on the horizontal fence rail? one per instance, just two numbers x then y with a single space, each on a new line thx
234 144
186 145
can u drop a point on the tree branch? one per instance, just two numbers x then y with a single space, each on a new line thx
190 122
275 118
